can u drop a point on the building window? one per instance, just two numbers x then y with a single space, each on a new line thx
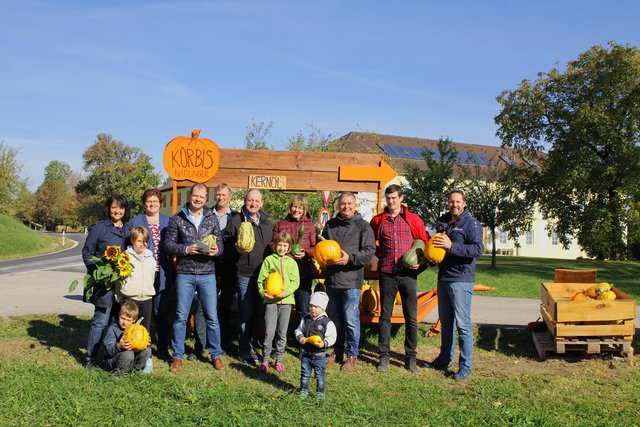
503 237
554 239
528 238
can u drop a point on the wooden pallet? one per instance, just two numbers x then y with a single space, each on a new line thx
545 343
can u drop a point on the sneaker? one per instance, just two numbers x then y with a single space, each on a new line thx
383 366
462 376
279 367
319 396
254 356
304 393
264 367
192 357
438 365
148 368
410 365
349 364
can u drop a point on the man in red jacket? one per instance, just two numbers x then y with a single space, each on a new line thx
395 230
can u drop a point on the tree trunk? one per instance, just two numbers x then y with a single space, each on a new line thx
493 251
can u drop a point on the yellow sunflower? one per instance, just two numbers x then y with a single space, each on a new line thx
112 252
124 260
125 272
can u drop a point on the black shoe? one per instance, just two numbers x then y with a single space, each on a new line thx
383 366
192 357
410 365
438 365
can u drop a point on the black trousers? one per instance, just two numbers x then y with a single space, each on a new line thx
406 283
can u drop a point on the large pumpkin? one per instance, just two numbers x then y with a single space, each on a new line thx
138 336
274 285
326 252
191 158
369 298
432 253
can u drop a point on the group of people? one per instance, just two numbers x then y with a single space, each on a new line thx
213 275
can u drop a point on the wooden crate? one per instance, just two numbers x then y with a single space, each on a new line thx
587 318
547 345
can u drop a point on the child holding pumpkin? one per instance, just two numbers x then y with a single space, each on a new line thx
278 280
120 353
315 334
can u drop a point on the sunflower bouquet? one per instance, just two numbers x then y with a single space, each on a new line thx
111 268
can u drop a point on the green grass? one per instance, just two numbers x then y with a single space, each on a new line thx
521 276
19 240
43 383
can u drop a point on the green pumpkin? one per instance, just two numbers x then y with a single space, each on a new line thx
296 248
413 255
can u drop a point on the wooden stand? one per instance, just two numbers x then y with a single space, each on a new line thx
545 344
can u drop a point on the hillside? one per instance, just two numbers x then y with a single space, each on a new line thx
19 240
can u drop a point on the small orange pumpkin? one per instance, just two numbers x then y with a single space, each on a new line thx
195 159
137 335
274 285
326 252
580 296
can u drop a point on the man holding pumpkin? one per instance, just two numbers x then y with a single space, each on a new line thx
195 272
462 241
345 275
396 229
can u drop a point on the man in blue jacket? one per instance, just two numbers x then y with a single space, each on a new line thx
456 277
195 272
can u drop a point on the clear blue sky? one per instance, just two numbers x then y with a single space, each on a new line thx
147 71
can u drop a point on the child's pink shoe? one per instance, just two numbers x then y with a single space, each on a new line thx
279 367
264 367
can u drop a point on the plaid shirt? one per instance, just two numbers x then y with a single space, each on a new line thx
395 239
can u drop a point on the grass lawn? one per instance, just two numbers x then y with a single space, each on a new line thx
19 240
521 276
43 383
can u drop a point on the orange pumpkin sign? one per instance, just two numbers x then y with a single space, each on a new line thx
191 158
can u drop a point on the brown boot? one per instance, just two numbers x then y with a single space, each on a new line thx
176 365
334 358
217 364
349 364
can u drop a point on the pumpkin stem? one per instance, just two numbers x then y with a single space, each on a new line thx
139 320
321 238
195 134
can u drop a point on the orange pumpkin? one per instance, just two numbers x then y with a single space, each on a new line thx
138 336
274 285
432 253
326 252
195 159
580 296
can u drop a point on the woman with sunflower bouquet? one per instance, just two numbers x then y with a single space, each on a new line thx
106 265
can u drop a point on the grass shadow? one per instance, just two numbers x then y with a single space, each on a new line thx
69 334
508 340
270 377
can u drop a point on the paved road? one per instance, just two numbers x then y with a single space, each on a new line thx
39 285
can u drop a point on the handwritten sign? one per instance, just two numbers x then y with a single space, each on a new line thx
271 182
194 159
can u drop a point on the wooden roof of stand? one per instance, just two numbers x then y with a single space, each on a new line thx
304 170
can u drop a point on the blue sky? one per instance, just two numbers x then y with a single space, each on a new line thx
147 71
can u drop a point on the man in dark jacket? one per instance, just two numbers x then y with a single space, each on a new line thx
195 272
456 277
344 278
247 267
395 230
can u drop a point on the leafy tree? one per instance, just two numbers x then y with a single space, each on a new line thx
589 118
498 200
113 167
12 186
428 190
258 135
55 198
314 141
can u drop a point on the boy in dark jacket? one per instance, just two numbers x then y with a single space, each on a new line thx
119 356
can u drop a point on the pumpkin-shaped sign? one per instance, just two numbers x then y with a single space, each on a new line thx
274 285
326 252
195 159
138 336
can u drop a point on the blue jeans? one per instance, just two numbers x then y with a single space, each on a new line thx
454 309
99 323
249 314
316 363
186 286
344 310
